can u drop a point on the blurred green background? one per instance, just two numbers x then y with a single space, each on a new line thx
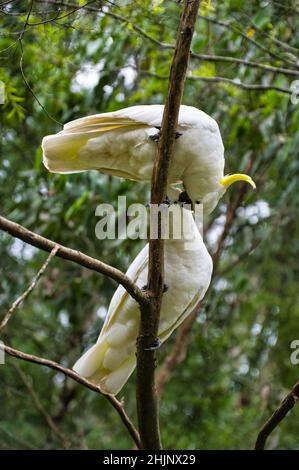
72 60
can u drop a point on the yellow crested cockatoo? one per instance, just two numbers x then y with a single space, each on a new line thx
122 143
188 269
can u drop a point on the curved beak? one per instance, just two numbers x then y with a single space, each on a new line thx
227 180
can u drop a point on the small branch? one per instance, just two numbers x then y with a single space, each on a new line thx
276 41
242 256
286 405
147 404
78 257
73 375
234 82
204 17
258 45
26 21
32 285
40 408
203 57
57 17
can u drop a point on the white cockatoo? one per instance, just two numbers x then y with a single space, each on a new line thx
122 143
188 269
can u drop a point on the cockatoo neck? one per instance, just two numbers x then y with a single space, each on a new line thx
173 192
181 225
211 200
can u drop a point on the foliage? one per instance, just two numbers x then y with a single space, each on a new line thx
238 362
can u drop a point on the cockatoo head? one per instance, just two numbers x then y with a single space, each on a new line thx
211 199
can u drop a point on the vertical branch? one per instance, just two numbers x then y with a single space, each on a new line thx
147 405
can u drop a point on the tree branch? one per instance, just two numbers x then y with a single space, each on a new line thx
73 375
203 57
286 405
32 285
210 58
258 45
18 231
241 257
147 404
234 82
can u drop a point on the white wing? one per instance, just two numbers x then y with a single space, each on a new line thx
110 362
118 143
150 115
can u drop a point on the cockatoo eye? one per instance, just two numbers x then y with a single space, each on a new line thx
228 180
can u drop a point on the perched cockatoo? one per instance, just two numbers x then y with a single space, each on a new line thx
122 143
188 269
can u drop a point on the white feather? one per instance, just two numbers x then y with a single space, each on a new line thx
110 362
118 144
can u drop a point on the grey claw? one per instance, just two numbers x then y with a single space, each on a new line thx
155 346
184 198
155 137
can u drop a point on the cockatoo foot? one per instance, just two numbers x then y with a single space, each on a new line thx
156 137
165 288
155 346
167 202
184 200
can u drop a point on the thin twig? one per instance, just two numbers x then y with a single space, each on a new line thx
73 375
29 289
41 409
78 257
247 38
57 17
204 17
20 41
234 82
285 406
26 21
203 57
276 41
32 91
241 257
